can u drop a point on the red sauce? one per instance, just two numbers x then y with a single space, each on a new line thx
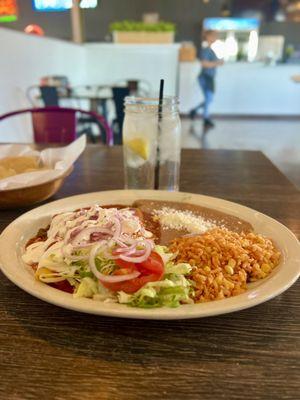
63 285
41 236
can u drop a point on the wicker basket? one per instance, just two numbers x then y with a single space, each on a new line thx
143 37
16 198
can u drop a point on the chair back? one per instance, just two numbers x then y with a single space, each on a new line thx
119 94
137 87
58 124
54 126
133 86
49 96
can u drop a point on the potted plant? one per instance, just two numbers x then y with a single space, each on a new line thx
141 32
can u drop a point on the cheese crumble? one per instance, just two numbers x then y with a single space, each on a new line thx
170 218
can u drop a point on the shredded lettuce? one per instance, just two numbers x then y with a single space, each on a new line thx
165 293
105 266
86 274
164 253
179 269
173 290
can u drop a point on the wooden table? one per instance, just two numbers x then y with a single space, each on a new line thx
50 353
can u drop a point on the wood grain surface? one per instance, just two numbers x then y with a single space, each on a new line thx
50 353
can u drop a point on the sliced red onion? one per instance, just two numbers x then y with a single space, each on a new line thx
127 253
120 243
127 240
141 258
126 250
75 232
71 233
135 260
137 253
117 228
148 242
119 278
86 231
96 236
102 234
107 278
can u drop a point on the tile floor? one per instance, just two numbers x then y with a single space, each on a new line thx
278 139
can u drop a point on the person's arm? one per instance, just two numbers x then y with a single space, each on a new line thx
211 64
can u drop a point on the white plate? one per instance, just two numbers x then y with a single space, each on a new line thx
14 237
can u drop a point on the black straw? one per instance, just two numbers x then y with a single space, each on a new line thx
160 107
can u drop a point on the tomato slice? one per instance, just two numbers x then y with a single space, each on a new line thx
131 286
151 270
153 264
125 264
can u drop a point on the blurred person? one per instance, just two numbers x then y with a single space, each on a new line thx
209 63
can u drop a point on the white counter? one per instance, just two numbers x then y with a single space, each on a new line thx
244 89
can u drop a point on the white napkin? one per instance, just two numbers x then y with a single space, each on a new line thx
57 160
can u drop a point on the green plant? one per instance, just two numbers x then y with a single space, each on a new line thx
136 26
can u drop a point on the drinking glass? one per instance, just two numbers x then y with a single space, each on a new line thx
152 143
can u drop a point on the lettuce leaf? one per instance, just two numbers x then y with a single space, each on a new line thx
178 269
172 291
88 287
164 253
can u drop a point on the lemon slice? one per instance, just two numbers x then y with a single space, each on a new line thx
139 146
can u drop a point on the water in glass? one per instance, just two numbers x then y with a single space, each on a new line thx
148 136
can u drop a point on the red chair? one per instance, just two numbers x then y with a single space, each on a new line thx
58 124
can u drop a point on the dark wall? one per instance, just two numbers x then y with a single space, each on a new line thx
290 30
187 14
54 24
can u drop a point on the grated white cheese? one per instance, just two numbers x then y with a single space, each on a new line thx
170 218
